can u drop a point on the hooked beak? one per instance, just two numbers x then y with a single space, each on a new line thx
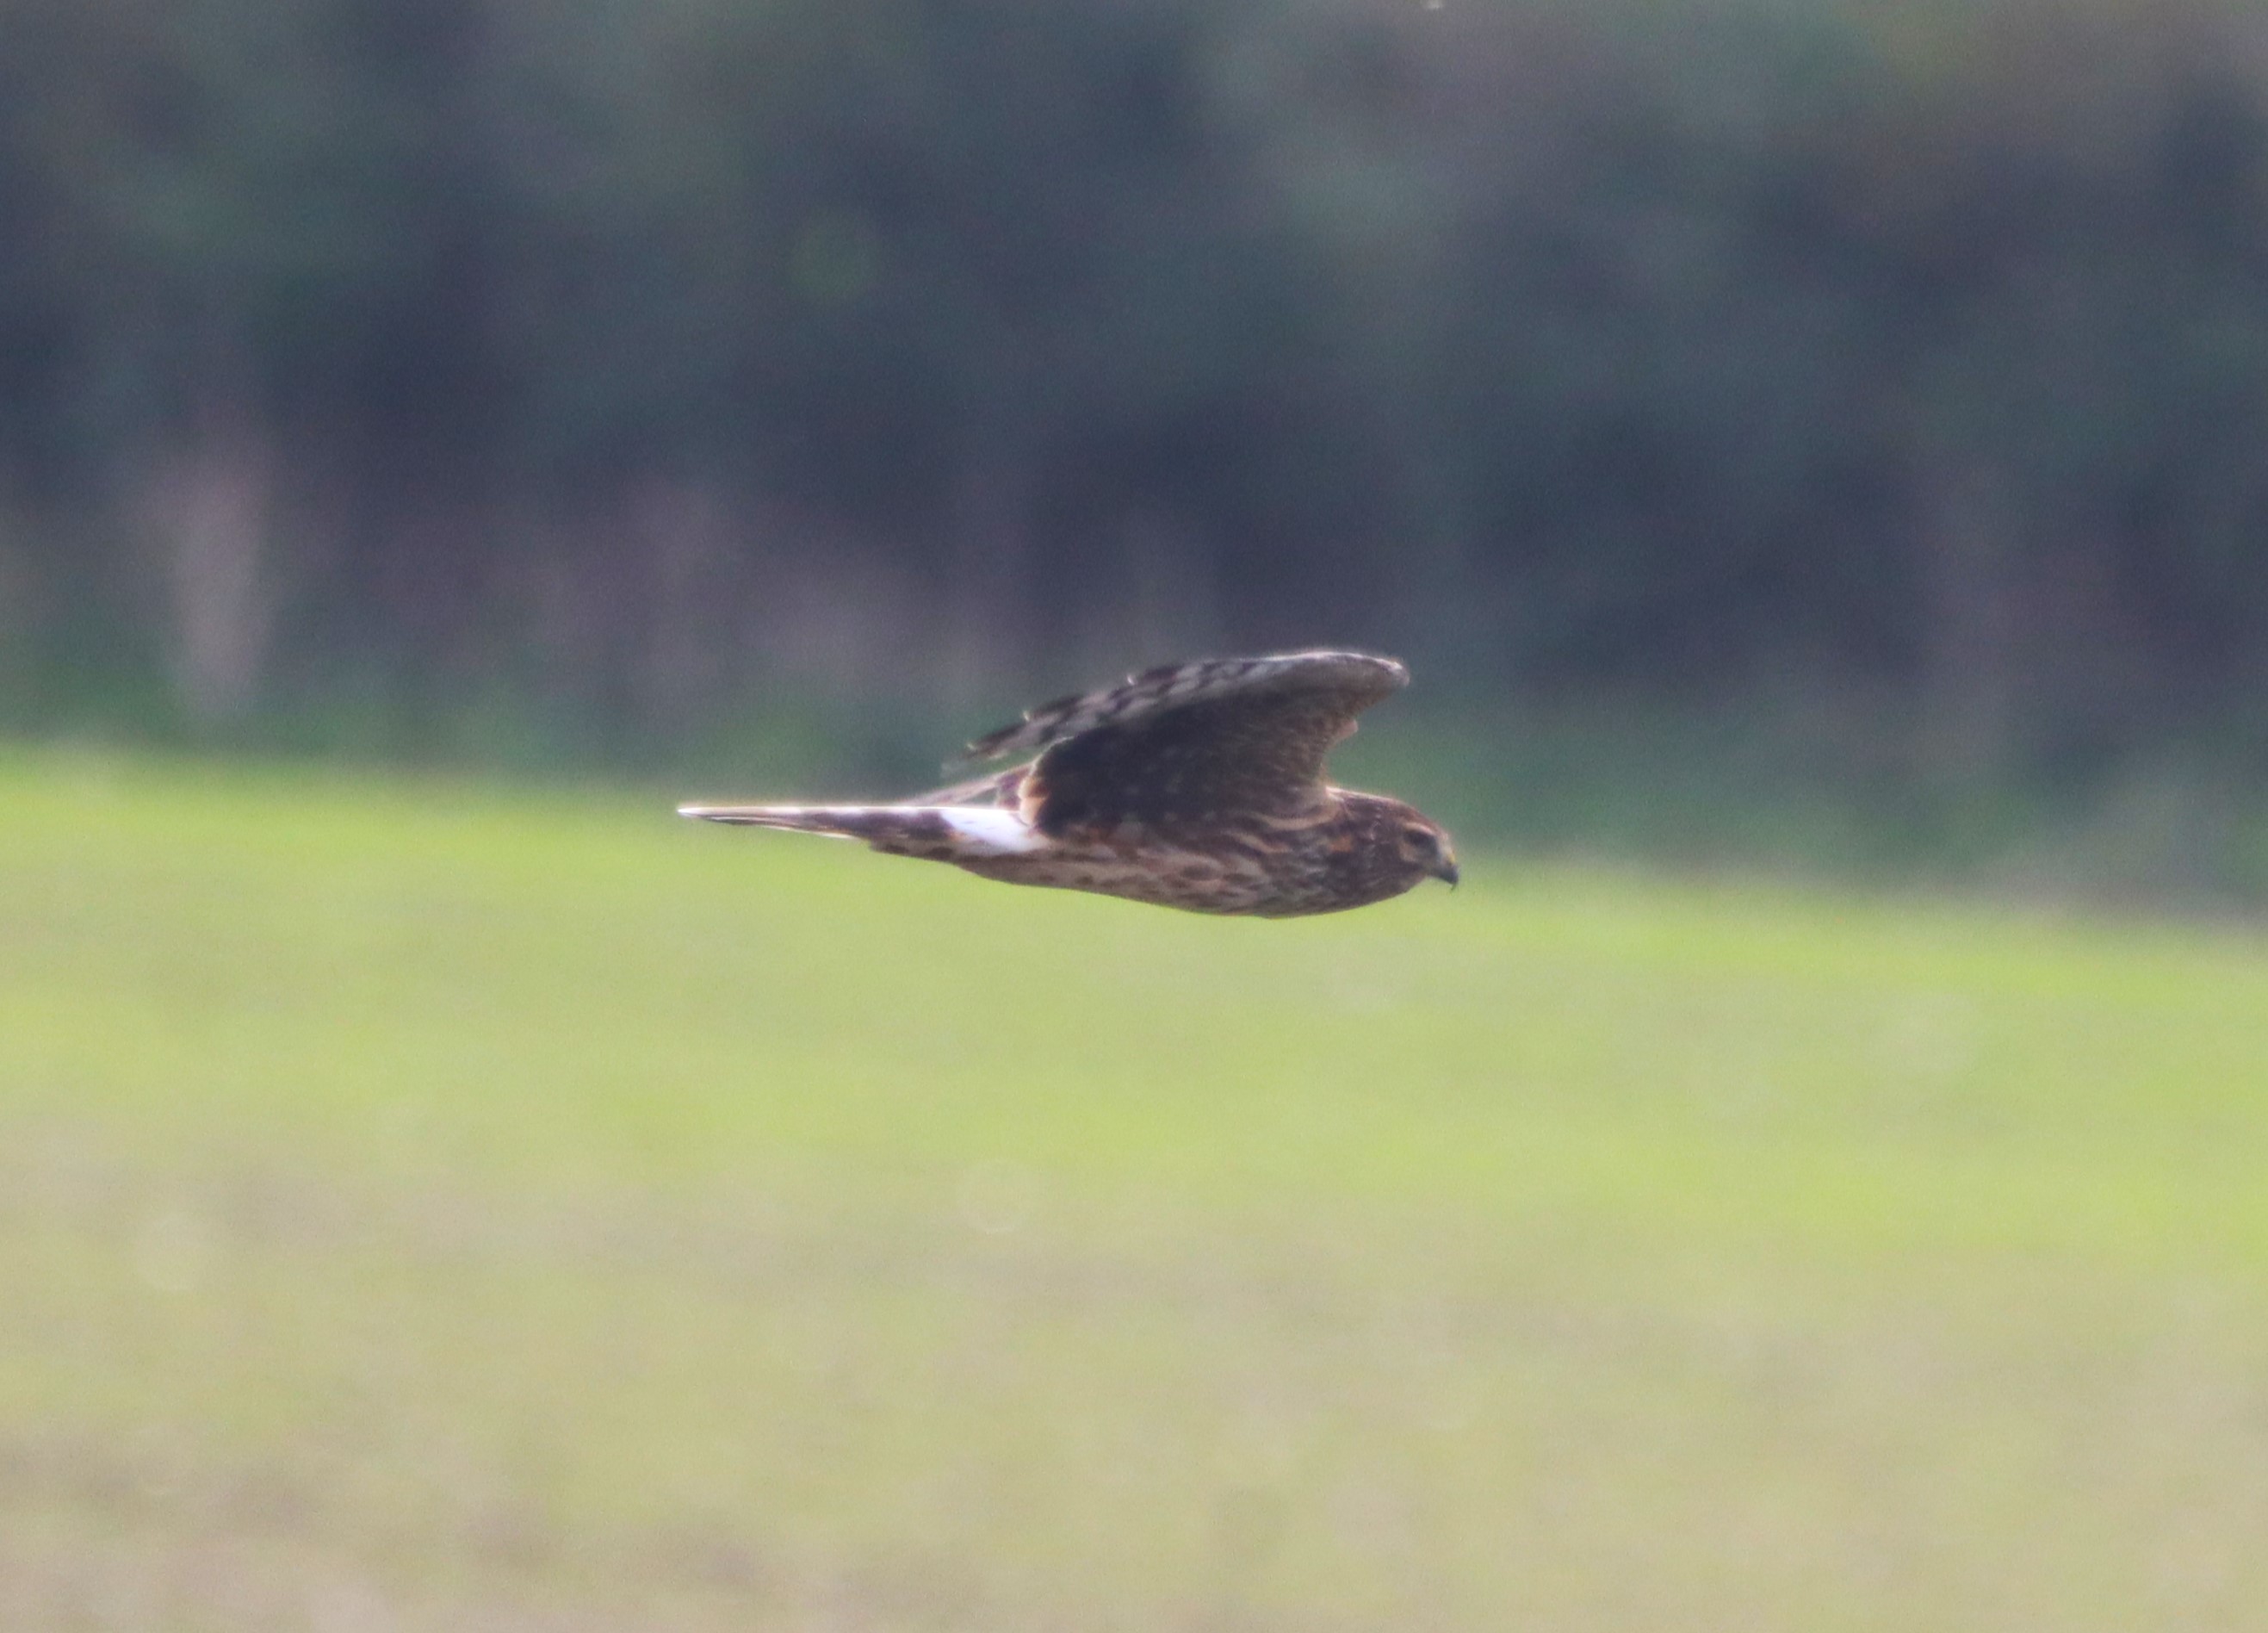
1447 871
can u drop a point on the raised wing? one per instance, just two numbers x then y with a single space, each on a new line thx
1196 742
1357 678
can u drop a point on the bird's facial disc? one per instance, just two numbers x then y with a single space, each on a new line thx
1427 848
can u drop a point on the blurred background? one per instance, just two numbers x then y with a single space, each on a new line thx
1830 420
1813 455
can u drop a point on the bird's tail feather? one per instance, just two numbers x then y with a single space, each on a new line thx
941 833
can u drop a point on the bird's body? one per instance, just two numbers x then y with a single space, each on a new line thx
1198 787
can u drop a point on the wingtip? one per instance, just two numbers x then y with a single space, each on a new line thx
983 749
1393 669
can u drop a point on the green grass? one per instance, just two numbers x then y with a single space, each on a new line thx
425 1207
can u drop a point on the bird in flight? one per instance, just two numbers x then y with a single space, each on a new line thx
1197 786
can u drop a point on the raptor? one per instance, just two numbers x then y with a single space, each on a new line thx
1198 786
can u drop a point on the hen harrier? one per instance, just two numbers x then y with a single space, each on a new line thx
1197 786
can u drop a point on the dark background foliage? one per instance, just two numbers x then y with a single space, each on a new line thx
633 373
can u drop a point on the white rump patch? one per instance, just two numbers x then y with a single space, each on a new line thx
1002 832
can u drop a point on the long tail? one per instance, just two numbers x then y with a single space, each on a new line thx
937 833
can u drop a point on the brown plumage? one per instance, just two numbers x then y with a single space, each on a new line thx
1199 785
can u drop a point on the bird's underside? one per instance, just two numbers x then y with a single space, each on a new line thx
1199 787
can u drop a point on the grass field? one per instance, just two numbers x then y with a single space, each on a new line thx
432 1207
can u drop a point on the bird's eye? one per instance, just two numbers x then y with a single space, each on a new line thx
1420 838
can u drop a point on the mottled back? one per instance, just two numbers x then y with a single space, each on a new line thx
1196 743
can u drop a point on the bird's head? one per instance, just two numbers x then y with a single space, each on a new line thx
1385 847
1425 845
1395 846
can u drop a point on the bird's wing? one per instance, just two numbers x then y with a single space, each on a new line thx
1353 681
994 787
1193 743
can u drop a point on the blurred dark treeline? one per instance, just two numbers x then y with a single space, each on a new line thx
651 364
